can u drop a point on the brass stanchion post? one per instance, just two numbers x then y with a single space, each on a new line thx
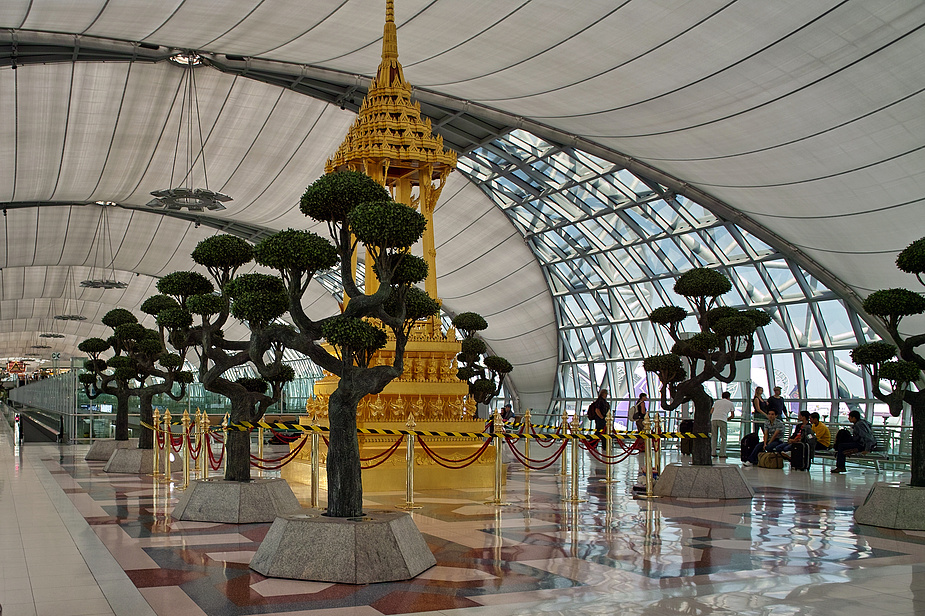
497 430
657 446
608 451
156 461
566 427
573 496
527 440
409 465
647 439
260 448
225 421
316 463
184 422
168 446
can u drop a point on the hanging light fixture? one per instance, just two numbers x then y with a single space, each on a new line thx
103 276
189 130
70 311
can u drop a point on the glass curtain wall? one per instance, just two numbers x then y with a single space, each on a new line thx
612 244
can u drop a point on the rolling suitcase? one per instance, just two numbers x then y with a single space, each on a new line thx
801 457
748 444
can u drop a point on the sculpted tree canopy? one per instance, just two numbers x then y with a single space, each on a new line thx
725 336
357 211
485 374
900 361
195 312
141 365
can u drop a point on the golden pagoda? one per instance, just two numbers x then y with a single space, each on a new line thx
394 145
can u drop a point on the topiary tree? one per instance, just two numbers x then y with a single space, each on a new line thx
899 362
256 299
138 354
726 336
357 210
483 373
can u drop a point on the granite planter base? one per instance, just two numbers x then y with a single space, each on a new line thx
893 505
138 462
101 450
236 502
720 481
381 546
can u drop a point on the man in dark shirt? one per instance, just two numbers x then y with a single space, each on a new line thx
597 412
776 403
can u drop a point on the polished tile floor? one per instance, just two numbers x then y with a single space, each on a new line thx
76 541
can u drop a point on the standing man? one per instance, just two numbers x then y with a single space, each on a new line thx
862 439
597 412
776 403
723 411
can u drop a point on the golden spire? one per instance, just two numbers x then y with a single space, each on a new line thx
389 132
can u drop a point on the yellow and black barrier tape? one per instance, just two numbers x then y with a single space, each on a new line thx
245 426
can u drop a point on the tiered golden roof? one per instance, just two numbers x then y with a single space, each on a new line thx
389 125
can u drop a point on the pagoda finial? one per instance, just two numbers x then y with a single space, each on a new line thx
389 34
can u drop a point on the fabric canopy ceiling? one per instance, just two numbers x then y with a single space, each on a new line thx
799 120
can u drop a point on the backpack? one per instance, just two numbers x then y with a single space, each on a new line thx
590 412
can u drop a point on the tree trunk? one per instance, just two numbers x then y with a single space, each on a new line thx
146 412
345 483
918 440
700 451
122 416
238 444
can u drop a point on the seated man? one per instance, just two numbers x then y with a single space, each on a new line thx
773 432
862 439
823 436
802 433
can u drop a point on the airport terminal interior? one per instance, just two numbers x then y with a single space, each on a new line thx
590 154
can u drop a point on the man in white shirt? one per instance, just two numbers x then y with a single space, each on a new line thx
723 411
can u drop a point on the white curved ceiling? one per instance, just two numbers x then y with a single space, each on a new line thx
801 120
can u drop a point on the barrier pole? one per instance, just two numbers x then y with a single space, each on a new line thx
563 472
156 461
497 430
225 422
527 440
168 446
573 496
608 451
186 449
201 418
260 448
409 466
316 464
647 427
657 463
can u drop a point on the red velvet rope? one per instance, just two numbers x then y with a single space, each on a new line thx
552 459
385 455
511 443
194 450
213 463
448 463
540 438
603 457
286 438
176 443
277 463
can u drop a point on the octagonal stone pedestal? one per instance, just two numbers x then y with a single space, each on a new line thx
137 462
720 481
236 502
893 505
381 546
101 449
